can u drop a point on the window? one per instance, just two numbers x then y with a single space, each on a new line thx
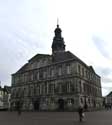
51 88
38 90
68 87
22 78
17 79
79 86
82 87
60 88
52 72
45 74
59 70
82 71
35 75
86 74
68 69
13 81
79 69
24 91
64 88
71 87
26 77
35 89
57 86
70 101
40 74
45 87
17 93
30 76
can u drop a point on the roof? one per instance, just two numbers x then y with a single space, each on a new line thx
67 55
23 68
34 58
56 58
110 94
7 88
38 56
91 69
62 56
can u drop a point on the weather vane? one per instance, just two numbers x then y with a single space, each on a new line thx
57 22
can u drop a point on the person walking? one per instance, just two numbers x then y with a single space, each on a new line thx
19 107
81 113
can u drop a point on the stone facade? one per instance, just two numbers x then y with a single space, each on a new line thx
60 81
5 98
108 101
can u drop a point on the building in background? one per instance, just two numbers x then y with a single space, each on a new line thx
5 97
108 101
1 98
60 81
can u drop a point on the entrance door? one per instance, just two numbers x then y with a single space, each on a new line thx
36 105
61 104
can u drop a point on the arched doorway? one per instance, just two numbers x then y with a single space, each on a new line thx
61 104
36 105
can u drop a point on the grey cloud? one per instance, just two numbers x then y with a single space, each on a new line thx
107 88
106 80
20 36
104 71
105 74
101 46
16 48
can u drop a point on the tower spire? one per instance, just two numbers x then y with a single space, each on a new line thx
58 41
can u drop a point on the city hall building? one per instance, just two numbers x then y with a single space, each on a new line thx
60 81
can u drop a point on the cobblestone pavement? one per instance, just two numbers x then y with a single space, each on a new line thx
55 118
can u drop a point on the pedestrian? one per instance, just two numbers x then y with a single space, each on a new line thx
81 113
19 107
85 107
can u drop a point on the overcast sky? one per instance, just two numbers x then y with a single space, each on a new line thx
27 28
